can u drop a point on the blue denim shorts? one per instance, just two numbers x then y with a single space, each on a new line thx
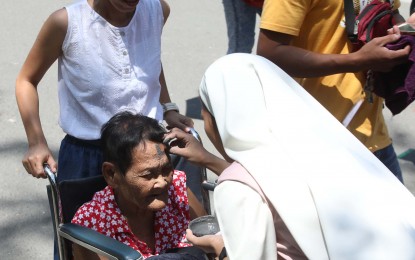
79 158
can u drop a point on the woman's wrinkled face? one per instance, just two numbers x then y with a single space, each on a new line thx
146 183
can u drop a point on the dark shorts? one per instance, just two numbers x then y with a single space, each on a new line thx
79 158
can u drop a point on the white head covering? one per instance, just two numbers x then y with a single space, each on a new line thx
336 198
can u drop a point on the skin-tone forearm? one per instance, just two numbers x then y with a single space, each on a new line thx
43 54
302 63
214 163
28 103
173 118
166 10
164 92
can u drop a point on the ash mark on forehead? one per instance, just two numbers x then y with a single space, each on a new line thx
160 153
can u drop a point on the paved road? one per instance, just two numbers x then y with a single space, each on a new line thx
194 37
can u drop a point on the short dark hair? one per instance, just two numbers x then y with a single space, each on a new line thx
124 132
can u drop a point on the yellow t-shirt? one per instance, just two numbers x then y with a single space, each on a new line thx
319 27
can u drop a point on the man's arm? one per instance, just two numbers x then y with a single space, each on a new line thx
305 64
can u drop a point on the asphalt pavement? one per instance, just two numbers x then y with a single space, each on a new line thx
194 36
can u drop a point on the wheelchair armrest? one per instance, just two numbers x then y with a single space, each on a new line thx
98 242
210 186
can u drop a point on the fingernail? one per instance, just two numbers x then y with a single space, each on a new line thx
168 141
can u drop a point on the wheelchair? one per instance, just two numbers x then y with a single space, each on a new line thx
65 199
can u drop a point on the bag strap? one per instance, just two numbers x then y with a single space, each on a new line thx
350 19
236 172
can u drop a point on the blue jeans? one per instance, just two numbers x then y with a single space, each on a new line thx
240 22
388 157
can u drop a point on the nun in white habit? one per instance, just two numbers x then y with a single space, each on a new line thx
300 185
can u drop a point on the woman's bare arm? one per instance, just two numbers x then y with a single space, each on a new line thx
45 51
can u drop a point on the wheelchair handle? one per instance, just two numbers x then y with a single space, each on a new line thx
50 174
193 132
207 185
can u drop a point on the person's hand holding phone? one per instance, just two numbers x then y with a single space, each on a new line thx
406 28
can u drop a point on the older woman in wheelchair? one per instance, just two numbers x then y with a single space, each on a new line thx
146 204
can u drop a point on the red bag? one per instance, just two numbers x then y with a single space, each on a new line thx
373 21
255 3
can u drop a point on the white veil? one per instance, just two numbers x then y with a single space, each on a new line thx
336 198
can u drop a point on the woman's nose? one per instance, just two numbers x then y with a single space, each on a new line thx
160 182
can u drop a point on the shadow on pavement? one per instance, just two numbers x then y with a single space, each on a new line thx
21 221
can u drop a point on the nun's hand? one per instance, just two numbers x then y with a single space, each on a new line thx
185 145
210 244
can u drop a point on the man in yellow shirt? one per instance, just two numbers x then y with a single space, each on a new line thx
307 38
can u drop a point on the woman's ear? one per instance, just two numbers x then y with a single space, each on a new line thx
108 171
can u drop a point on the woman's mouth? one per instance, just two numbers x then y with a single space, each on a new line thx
160 194
132 2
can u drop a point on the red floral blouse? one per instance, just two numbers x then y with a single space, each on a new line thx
103 215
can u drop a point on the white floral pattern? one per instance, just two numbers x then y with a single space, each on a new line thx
103 215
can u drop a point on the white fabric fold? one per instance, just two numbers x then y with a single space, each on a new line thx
336 198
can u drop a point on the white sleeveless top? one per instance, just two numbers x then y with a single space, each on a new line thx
105 69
